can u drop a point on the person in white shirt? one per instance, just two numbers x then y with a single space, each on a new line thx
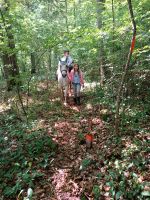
68 60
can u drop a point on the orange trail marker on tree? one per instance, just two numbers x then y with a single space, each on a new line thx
132 44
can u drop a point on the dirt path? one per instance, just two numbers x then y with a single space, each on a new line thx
116 167
74 170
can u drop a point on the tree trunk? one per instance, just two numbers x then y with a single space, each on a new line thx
50 59
33 65
100 9
66 13
74 14
113 51
118 101
11 69
113 21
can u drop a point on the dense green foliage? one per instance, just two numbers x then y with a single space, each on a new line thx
22 153
41 30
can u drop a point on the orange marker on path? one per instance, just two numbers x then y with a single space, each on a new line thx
89 140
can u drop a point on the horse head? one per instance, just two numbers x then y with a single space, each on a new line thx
63 68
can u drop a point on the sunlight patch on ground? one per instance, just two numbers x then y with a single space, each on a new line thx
4 107
38 124
46 85
89 106
15 104
75 108
130 148
55 99
65 188
91 85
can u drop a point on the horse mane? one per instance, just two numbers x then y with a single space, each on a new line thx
63 62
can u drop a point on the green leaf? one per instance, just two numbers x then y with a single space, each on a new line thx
118 194
134 175
146 193
96 191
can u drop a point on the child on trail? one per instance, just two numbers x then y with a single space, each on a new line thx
76 78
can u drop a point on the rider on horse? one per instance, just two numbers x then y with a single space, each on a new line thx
68 60
69 63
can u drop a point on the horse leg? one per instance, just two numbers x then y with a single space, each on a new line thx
65 95
69 88
61 95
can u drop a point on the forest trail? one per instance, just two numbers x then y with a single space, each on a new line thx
42 147
50 154
74 169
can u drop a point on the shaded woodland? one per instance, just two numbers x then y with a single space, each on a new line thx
43 152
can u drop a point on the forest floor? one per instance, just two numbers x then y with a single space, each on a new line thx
75 169
113 166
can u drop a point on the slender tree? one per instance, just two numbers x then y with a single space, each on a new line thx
118 101
100 9
113 21
33 63
66 15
